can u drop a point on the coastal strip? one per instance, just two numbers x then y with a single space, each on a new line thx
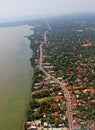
44 93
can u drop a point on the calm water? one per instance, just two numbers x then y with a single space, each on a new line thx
15 76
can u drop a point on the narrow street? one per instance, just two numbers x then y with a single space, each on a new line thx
66 92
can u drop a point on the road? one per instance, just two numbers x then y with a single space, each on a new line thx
66 92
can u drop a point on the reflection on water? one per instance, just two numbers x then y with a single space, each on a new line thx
15 76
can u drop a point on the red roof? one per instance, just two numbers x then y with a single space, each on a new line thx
78 112
56 114
54 106
89 122
92 127
73 96
58 98
74 104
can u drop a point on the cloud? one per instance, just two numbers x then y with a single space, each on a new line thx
17 8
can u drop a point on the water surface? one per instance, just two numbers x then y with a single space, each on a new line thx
15 76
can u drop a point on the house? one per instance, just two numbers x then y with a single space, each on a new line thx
31 128
77 91
78 112
56 114
77 127
47 63
59 78
37 84
52 81
45 124
54 106
48 67
92 127
73 96
57 98
59 93
74 104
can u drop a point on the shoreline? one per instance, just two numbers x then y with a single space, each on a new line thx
29 96
31 59
44 108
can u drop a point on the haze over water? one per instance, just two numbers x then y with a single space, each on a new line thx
15 76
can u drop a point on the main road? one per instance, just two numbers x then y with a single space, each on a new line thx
63 87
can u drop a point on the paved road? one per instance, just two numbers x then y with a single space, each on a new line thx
66 92
49 28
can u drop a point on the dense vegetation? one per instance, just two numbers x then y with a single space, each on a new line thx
70 50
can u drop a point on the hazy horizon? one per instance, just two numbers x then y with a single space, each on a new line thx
22 10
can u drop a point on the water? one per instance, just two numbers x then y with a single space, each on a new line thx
15 76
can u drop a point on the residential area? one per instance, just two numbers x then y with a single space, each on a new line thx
69 56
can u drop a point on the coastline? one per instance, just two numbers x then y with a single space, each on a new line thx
32 60
35 41
32 67
46 91
15 76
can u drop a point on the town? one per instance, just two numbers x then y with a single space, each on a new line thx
63 90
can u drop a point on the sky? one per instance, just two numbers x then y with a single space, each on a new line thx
11 9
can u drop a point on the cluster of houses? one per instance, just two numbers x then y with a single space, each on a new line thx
48 91
77 100
81 94
50 98
50 111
